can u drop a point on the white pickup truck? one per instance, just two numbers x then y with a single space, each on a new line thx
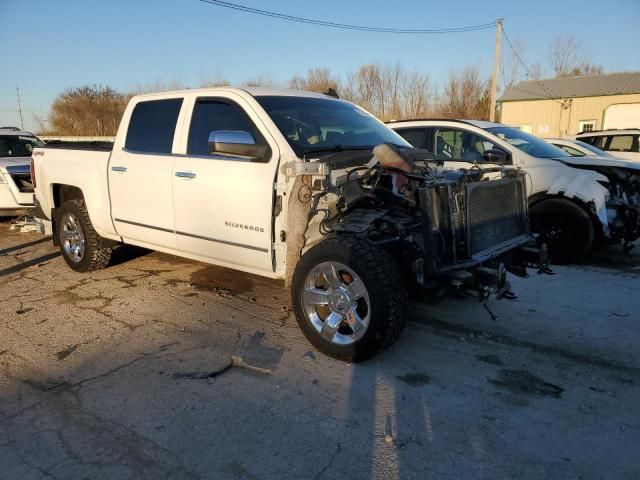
282 183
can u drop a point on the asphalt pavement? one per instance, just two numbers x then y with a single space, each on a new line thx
112 375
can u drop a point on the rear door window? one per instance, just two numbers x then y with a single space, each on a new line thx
417 137
153 125
597 141
621 143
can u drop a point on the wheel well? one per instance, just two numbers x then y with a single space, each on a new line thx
588 208
64 193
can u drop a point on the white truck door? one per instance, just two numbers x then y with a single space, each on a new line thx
224 203
140 175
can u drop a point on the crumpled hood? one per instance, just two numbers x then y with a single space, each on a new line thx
13 161
593 161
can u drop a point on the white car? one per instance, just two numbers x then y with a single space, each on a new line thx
578 148
281 183
574 201
16 189
621 143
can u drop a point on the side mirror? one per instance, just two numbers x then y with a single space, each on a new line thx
495 156
236 143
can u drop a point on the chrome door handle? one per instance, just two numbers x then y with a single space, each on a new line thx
187 175
119 169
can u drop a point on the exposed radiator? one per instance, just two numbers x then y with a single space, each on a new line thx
496 212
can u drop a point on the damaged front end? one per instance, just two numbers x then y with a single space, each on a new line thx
623 207
619 214
474 231
447 229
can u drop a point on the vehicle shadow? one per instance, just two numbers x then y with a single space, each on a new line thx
126 253
614 257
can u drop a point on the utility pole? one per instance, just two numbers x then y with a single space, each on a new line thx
20 108
494 77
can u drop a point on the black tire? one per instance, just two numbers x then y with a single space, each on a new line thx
387 295
95 256
565 227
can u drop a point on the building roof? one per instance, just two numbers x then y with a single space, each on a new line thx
584 86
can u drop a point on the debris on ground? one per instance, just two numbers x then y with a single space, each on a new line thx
62 354
236 361
31 224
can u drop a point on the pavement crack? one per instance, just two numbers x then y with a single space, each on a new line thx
330 462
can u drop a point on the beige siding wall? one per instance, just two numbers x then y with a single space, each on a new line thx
548 118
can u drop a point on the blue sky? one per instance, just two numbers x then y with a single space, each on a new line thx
49 46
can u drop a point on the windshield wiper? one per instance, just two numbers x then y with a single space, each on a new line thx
344 148
337 148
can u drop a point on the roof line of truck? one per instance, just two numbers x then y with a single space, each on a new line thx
436 119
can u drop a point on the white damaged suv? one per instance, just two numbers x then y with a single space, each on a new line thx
574 202
16 188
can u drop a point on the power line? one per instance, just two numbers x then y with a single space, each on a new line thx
550 94
346 26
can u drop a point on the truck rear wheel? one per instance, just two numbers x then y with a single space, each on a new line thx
349 298
565 227
80 245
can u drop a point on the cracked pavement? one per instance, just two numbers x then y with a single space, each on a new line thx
91 385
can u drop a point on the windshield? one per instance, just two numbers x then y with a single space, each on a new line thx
534 146
593 149
318 124
18 145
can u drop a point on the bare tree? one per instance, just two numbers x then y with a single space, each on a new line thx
262 80
87 110
213 79
568 58
41 123
348 88
158 86
588 69
415 95
465 95
511 69
316 80
536 71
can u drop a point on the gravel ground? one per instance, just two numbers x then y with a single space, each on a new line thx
100 378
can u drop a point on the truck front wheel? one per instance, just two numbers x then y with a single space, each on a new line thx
565 227
349 298
80 245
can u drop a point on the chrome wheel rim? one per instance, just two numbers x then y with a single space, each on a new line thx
72 240
336 303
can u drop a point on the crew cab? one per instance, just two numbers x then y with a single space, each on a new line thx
297 186
574 202
16 189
